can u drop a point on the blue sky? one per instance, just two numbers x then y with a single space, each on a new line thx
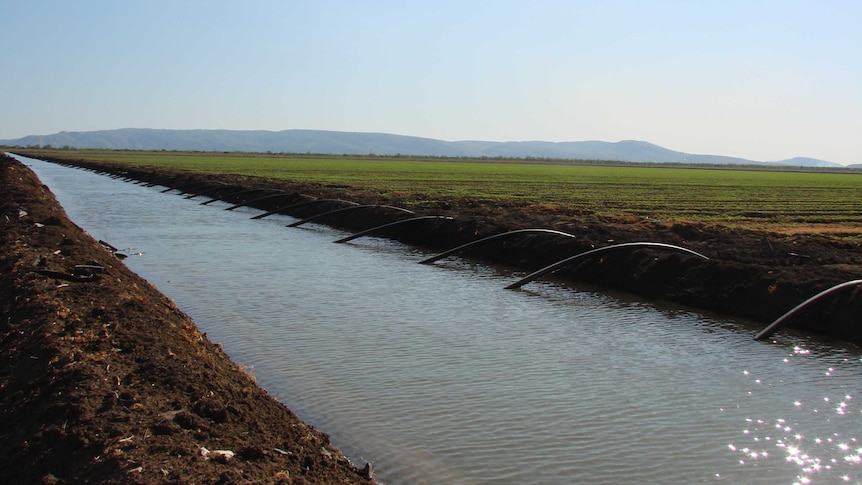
764 80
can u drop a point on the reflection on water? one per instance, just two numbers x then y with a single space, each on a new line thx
827 452
438 375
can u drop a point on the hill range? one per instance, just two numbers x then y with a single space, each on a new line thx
354 143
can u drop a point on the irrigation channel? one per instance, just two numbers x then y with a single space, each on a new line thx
437 374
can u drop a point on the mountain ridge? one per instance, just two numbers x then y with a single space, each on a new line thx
365 143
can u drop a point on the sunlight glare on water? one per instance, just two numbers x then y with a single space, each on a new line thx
438 375
820 455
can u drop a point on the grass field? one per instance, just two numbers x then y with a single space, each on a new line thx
736 196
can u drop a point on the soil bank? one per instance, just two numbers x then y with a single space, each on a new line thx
104 380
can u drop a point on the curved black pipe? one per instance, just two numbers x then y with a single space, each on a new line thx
183 186
299 204
343 209
783 319
193 188
216 186
280 193
232 194
153 179
490 238
560 264
161 180
384 226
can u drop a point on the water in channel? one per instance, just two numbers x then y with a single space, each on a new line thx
437 374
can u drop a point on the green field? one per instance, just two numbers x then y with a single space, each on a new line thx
766 198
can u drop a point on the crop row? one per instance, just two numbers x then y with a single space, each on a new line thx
663 193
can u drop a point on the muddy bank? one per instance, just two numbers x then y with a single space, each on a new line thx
104 380
752 274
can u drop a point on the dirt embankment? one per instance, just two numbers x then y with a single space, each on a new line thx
753 274
104 380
